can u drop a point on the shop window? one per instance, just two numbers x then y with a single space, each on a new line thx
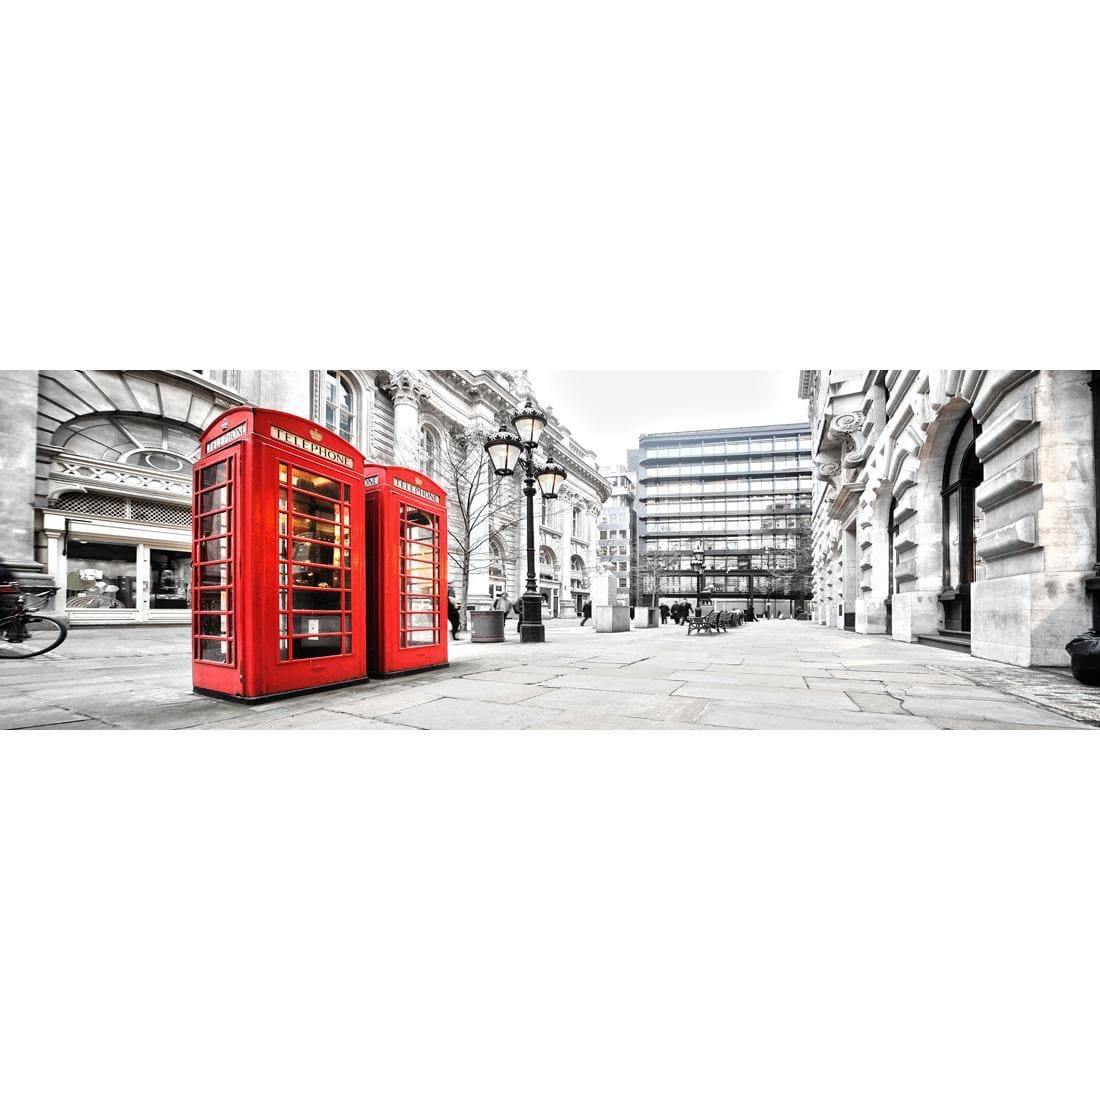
101 576
213 611
314 614
420 578
169 580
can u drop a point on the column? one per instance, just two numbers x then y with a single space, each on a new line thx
407 392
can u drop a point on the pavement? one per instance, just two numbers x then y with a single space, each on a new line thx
765 675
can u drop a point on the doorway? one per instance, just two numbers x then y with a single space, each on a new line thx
961 477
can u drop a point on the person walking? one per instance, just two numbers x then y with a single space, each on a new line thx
453 615
664 614
517 607
586 611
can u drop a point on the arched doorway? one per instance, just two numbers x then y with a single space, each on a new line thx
962 474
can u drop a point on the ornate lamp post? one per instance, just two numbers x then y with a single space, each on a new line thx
506 450
699 564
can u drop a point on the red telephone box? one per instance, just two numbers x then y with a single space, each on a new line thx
278 580
406 523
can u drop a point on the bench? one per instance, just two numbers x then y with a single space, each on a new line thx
705 624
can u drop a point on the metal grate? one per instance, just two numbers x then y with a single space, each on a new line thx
151 511
111 507
94 504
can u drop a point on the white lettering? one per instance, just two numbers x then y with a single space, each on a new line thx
225 440
415 489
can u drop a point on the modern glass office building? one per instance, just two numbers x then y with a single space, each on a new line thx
742 496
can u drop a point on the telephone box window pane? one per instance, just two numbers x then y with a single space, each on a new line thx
214 650
214 549
213 499
305 528
318 553
214 575
313 625
419 637
217 523
314 506
310 577
214 625
217 599
314 599
304 648
214 475
314 483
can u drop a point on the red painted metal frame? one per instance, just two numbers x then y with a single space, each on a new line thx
255 443
388 489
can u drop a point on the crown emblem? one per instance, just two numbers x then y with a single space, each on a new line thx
224 425
315 435
420 481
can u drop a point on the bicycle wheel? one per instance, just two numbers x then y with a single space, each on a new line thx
39 635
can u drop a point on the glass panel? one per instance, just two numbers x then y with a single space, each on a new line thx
217 599
314 506
317 599
217 625
214 549
217 523
316 624
214 499
314 483
305 528
318 553
418 637
214 475
952 574
214 650
169 579
303 648
214 575
315 578
101 576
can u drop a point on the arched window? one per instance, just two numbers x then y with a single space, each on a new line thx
962 474
496 560
547 559
429 451
340 405
576 563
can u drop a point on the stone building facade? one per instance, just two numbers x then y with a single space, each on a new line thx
97 474
618 533
955 508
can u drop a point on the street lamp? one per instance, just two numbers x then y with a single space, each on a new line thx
508 449
699 564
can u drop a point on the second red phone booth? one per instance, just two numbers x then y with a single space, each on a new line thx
406 529
279 585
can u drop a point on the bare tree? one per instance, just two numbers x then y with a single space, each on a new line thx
789 566
479 506
653 567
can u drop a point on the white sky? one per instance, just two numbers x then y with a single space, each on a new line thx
608 410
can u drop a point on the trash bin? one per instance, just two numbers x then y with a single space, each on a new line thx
488 626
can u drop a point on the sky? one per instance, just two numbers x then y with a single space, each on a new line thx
607 410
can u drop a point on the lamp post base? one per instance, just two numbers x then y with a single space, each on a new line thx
532 632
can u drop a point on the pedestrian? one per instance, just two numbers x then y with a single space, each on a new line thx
517 607
676 613
453 615
664 614
586 612
631 612
502 603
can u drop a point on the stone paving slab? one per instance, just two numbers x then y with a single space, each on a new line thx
727 715
443 714
610 683
626 704
778 697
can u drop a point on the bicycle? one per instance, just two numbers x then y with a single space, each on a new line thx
23 634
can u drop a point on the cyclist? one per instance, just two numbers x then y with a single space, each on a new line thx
9 598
